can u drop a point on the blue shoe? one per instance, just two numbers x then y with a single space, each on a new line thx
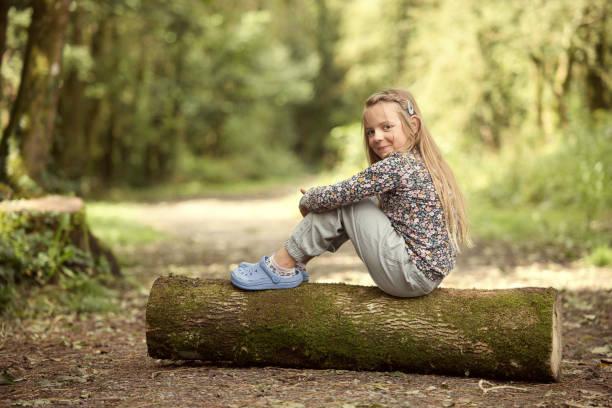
259 277
301 268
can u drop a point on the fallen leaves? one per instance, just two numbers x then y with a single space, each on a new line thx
605 350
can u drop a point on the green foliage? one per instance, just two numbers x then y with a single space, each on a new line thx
349 142
565 192
77 294
83 294
259 163
38 248
16 36
601 256
575 173
211 97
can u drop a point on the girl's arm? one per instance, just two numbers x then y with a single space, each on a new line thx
380 177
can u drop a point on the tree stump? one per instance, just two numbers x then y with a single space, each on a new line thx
64 222
507 334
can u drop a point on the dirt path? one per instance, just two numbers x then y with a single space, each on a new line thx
100 360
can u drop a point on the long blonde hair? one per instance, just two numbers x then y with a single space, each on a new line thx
445 183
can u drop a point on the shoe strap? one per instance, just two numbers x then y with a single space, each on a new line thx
262 264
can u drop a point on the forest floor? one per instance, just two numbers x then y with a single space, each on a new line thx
101 359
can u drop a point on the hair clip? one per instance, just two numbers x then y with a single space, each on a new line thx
410 107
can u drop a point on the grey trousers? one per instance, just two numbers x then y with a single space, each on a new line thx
378 245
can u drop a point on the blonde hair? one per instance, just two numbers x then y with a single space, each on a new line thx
445 183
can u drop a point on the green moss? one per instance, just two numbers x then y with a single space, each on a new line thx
169 298
509 309
301 325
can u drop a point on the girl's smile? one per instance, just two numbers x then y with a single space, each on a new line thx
384 129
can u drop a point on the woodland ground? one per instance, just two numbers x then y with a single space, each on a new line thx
101 360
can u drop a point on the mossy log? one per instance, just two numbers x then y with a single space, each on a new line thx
509 334
62 215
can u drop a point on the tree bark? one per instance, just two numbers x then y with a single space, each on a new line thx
539 78
98 106
511 334
33 114
314 119
5 190
4 8
598 91
70 153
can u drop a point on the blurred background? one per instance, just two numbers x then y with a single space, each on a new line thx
158 100
188 126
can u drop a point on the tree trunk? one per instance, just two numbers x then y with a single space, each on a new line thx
5 190
70 153
33 114
4 8
598 92
314 119
97 116
539 78
512 334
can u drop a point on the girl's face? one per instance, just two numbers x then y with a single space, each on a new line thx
384 129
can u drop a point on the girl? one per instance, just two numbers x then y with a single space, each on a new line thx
404 214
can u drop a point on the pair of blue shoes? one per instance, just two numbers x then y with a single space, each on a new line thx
259 276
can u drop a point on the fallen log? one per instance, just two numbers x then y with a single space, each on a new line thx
508 334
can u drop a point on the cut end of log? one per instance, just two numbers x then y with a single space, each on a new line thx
557 344
52 203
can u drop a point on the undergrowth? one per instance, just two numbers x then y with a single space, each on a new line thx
558 195
50 255
76 294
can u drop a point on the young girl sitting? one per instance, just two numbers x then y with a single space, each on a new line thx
404 214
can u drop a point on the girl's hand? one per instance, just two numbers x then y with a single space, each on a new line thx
303 211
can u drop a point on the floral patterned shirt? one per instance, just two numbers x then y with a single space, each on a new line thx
408 197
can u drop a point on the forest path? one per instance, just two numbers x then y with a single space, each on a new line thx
101 360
